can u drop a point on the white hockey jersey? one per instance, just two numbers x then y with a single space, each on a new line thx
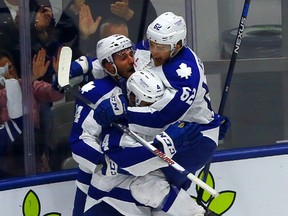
186 96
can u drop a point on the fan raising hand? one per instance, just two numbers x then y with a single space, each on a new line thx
87 25
121 9
40 65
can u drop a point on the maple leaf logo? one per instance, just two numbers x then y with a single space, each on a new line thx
87 87
184 71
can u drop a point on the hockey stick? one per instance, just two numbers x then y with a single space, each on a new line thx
63 80
63 75
226 88
168 160
234 56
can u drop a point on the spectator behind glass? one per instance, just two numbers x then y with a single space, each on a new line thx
43 31
113 26
43 35
43 92
137 13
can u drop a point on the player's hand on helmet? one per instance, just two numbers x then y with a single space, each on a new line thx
111 110
178 136
225 124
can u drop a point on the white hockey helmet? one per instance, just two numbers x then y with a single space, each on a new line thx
146 87
106 47
167 28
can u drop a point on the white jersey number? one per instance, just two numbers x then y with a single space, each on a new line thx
188 95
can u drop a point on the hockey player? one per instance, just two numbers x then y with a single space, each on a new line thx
187 97
116 57
146 182
85 133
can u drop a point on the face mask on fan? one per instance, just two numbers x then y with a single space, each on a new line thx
4 70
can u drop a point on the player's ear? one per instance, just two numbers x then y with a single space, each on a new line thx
179 45
109 67
177 48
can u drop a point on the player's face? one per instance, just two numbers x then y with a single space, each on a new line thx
124 61
160 52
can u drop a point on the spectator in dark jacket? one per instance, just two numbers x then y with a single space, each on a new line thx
137 13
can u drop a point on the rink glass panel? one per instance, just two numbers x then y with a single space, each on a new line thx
257 102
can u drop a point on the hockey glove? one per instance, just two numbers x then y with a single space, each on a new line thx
225 124
177 137
81 70
110 110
